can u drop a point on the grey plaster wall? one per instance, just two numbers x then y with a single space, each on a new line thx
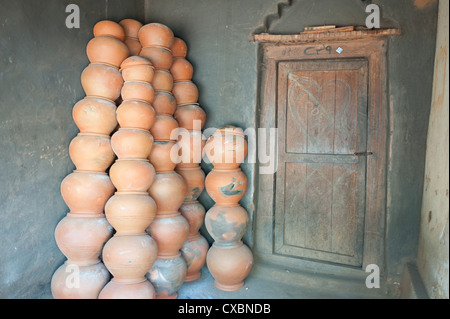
40 66
226 71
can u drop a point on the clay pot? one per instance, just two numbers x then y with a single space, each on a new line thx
109 28
130 143
164 103
229 266
170 232
194 252
137 91
130 213
86 192
185 92
181 69
195 181
191 145
167 276
91 152
106 50
165 128
162 81
226 224
160 57
133 45
226 148
190 116
178 48
226 187
168 190
100 80
71 281
156 34
136 68
161 154
81 239
132 175
194 212
136 114
121 290
95 115
131 27
129 258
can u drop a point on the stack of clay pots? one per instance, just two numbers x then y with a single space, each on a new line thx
131 252
169 228
82 233
191 119
229 260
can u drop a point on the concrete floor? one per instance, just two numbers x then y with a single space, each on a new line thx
261 284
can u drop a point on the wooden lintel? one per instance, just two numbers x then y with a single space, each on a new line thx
314 37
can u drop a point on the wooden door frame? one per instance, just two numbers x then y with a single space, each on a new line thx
374 51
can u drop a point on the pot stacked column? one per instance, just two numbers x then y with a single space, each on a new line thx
82 233
191 119
229 260
169 228
131 252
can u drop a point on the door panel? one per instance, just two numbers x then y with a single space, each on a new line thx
320 183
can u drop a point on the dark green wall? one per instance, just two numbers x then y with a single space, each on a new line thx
40 66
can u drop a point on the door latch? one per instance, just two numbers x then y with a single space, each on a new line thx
363 153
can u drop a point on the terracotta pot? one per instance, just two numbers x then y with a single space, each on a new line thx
134 46
229 266
71 281
226 224
162 81
191 145
100 80
95 115
130 143
81 239
168 190
136 68
137 91
91 152
129 258
160 156
185 92
226 148
169 232
190 116
130 213
226 187
181 69
131 27
160 57
164 128
121 290
109 28
136 114
178 48
164 103
195 181
132 175
106 50
156 34
194 252
167 276
86 192
194 212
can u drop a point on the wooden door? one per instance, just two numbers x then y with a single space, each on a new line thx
321 178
